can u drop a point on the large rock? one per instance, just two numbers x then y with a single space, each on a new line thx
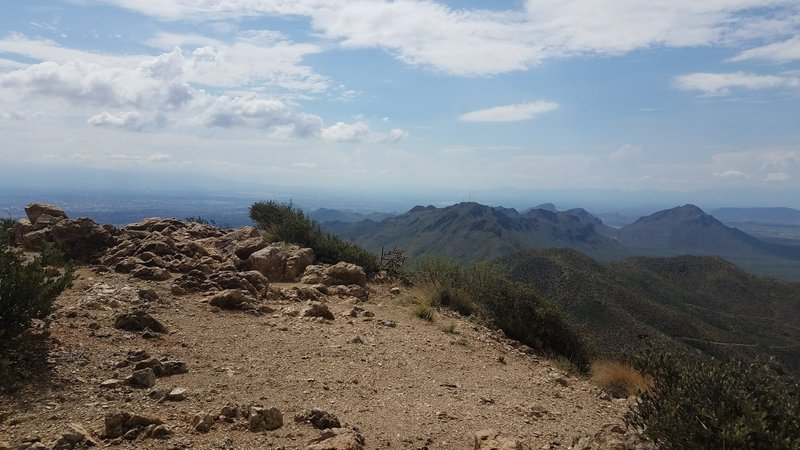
138 321
317 309
338 439
35 239
82 238
22 227
493 440
280 262
36 210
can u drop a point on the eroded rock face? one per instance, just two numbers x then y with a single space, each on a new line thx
280 262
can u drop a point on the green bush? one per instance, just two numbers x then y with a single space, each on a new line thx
711 404
6 232
52 255
27 292
289 224
511 306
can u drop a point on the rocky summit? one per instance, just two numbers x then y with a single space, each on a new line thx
183 335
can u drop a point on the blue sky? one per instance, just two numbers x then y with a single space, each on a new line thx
618 94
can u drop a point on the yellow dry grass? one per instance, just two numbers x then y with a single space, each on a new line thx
618 379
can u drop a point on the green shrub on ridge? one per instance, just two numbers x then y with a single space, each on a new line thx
511 306
286 223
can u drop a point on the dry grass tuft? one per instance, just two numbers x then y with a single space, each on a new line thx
618 379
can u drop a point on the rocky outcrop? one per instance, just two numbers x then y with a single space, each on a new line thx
82 239
280 262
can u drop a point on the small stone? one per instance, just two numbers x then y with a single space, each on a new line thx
161 432
144 377
388 323
316 309
394 291
356 340
139 321
176 395
338 439
111 383
319 419
149 295
202 422
264 419
232 299
75 434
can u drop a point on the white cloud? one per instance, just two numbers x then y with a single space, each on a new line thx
718 84
481 42
784 51
510 113
131 120
778 176
160 157
360 132
625 151
731 173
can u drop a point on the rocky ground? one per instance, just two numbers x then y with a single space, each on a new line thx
226 359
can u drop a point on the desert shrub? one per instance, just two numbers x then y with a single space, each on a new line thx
27 291
511 306
6 232
286 223
424 311
620 380
51 255
711 404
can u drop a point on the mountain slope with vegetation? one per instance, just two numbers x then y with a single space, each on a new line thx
475 232
696 302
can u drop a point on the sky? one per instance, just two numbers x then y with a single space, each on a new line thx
673 95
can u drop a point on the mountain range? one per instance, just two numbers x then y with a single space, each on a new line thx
474 232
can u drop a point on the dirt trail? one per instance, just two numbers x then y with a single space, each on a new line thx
412 385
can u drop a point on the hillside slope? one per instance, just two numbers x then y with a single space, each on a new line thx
474 232
688 301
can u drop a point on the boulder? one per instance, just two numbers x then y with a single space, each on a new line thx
493 440
281 262
264 419
138 321
342 273
121 423
345 273
36 210
232 299
338 439
46 221
82 238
